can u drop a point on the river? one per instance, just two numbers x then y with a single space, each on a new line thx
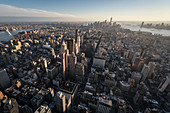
4 36
136 27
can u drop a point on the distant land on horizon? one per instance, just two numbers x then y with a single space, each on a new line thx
13 19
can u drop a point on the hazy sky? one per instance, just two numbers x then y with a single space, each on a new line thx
120 10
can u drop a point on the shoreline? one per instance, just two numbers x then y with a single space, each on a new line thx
13 35
136 27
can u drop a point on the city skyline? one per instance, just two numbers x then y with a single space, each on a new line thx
133 10
91 56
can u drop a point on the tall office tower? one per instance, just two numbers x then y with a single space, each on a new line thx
4 79
110 21
145 72
11 106
143 52
136 97
164 84
140 65
76 34
78 42
82 40
52 72
63 47
135 63
84 61
6 58
76 48
65 64
44 65
72 64
61 102
152 66
130 55
79 69
53 53
134 57
98 24
70 45
128 52
77 45
136 76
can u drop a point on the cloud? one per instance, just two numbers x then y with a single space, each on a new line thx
11 11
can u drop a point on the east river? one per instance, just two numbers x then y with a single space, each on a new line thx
4 36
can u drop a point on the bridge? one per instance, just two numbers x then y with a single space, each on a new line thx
8 32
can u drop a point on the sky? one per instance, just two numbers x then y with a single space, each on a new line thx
89 10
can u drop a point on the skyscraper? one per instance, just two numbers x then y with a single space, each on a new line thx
140 65
77 45
53 53
145 72
63 47
70 45
52 72
110 21
76 34
82 39
152 67
60 102
164 84
6 58
72 64
79 69
65 64
44 65
4 79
